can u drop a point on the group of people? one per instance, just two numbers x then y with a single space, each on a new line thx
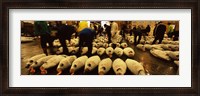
139 32
65 31
87 35
158 32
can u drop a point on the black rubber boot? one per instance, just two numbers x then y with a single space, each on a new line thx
45 51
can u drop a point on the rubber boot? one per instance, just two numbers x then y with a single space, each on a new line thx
45 51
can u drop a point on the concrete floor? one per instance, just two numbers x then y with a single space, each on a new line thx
155 66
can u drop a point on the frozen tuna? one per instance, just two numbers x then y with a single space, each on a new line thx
91 63
65 63
34 59
39 63
174 47
119 66
129 52
104 66
135 67
73 50
109 51
52 62
124 45
174 55
118 44
84 50
101 51
160 54
110 45
94 50
176 62
105 45
141 47
118 51
148 46
77 64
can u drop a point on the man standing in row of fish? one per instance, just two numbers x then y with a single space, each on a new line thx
41 29
114 33
86 37
140 31
159 32
108 31
65 32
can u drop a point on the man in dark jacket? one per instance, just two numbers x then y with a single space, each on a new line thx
123 30
137 33
159 33
108 31
147 30
64 33
154 30
86 37
41 29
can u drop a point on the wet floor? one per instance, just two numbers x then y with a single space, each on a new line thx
155 66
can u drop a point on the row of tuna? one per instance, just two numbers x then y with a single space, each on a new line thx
150 39
166 55
74 43
168 47
63 62
158 51
167 50
128 51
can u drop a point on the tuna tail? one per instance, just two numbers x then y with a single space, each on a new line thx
43 71
59 71
72 71
147 72
31 70
141 72
101 73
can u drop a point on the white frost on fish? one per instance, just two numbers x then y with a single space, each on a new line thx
94 50
119 66
91 63
109 51
77 64
160 54
101 51
34 59
174 55
141 47
118 51
105 45
148 46
73 50
124 45
39 63
52 62
135 67
84 50
129 52
65 63
104 66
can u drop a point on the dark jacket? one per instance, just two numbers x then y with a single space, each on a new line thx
66 31
160 30
41 28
